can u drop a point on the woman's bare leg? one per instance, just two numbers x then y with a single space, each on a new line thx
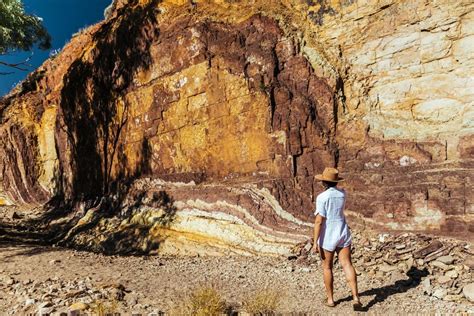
344 255
328 259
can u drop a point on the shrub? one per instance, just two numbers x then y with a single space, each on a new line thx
263 302
203 301
101 308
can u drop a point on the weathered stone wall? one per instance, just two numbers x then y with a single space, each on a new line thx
238 95
406 127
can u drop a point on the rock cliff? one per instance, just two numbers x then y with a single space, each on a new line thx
197 127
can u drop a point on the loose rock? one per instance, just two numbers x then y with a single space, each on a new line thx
446 259
440 293
468 291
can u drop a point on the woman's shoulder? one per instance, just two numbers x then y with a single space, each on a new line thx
323 195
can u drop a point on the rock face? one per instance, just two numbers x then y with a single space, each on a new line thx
208 121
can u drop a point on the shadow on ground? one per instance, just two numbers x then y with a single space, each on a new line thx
22 249
382 293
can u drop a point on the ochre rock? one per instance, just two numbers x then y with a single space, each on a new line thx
246 102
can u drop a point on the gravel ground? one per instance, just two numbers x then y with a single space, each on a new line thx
37 278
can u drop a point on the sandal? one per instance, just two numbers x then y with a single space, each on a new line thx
357 306
325 302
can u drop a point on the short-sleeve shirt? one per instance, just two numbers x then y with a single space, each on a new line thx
335 232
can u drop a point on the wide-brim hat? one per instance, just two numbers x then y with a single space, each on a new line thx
330 175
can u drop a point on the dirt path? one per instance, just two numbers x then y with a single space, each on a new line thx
53 279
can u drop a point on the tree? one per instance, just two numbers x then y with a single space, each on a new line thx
20 31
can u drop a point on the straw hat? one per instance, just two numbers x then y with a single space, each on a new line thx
329 174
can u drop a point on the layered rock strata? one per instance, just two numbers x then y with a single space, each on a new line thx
247 102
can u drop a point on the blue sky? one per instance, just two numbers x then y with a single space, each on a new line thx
62 18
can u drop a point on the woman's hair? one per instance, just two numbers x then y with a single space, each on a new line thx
329 184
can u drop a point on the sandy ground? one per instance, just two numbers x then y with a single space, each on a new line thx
154 284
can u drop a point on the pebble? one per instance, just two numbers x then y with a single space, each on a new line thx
468 291
440 293
426 284
452 274
29 301
443 279
440 265
446 259
452 298
387 268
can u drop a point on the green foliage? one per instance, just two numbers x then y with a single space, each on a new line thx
19 30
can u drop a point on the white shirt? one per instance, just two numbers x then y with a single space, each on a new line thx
334 232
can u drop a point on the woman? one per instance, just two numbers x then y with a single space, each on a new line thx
333 234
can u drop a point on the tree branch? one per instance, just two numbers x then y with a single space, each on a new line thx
18 66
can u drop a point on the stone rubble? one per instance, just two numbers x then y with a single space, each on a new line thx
445 265
57 296
389 277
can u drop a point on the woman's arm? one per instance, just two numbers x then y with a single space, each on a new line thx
317 229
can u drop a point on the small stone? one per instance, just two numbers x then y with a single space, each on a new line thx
54 261
290 269
440 293
426 284
383 237
400 246
446 259
379 275
443 279
28 281
403 267
440 265
10 281
420 262
468 291
45 310
396 276
79 306
452 274
305 270
452 298
29 301
132 301
387 268
469 263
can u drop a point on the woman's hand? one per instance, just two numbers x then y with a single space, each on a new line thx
315 248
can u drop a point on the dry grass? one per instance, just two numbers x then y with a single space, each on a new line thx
101 308
262 302
203 301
